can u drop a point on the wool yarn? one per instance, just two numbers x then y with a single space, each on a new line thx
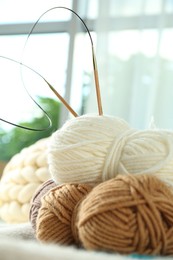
23 174
92 149
77 151
36 200
55 214
127 214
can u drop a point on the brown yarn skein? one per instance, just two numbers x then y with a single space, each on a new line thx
127 214
55 214
36 200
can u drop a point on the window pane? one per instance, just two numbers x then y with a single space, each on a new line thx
28 11
82 71
125 7
134 7
169 6
137 42
136 71
92 11
47 54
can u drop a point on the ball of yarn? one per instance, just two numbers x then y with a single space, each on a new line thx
55 214
92 149
36 200
77 151
127 214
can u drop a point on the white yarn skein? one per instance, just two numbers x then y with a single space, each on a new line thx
92 149
141 152
77 151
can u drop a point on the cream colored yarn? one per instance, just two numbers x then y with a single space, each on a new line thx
92 149
77 151
21 177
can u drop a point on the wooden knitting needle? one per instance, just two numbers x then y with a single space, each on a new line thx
97 85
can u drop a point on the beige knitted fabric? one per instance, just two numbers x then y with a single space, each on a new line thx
21 177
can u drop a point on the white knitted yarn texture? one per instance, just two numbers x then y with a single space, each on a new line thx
92 149
21 177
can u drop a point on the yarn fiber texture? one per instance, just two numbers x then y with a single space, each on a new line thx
54 218
92 149
23 174
127 214
77 151
36 200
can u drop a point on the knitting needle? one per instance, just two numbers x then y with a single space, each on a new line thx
97 85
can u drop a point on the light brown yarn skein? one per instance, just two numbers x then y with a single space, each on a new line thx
127 214
55 214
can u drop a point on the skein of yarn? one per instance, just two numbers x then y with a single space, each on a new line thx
36 200
127 214
77 151
92 149
55 214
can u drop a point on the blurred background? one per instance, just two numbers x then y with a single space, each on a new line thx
133 42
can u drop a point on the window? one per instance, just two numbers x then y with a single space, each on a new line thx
135 61
53 50
133 47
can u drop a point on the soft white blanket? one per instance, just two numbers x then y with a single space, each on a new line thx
17 242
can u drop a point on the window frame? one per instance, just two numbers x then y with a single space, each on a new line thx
72 28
